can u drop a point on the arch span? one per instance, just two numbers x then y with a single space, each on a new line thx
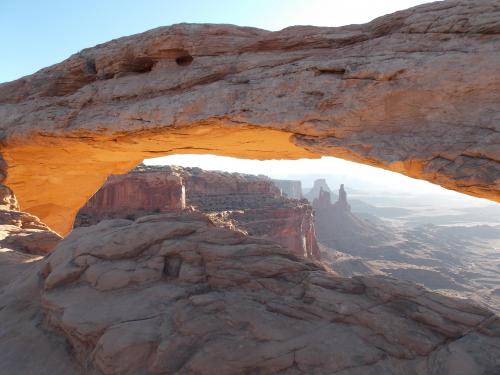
416 92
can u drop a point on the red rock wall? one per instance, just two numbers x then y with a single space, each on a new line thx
292 227
198 181
133 193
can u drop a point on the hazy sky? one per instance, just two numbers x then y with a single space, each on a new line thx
375 177
354 175
38 33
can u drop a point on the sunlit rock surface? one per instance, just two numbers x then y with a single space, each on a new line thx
416 92
171 294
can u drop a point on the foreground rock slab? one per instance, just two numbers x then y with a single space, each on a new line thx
170 294
416 92
20 232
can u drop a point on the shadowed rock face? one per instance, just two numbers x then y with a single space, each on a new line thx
416 92
338 228
171 294
23 238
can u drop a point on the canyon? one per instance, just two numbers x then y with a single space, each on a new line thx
454 258
457 261
252 204
191 282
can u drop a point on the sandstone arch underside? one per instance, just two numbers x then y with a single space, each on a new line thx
416 92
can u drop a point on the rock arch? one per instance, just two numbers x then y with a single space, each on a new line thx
416 92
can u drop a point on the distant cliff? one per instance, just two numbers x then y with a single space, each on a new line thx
319 184
130 195
290 188
253 204
338 228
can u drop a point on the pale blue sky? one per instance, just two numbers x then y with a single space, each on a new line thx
38 33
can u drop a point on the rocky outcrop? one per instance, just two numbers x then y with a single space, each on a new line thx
24 232
200 183
291 224
23 238
414 92
170 294
20 232
132 195
252 204
291 188
319 185
339 229
342 204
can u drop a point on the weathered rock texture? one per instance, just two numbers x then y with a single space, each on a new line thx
254 205
170 294
290 224
21 232
246 202
416 92
23 238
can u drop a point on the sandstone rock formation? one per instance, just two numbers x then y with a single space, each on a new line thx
23 238
21 232
290 224
249 203
170 294
133 194
319 185
416 92
290 188
254 205
339 229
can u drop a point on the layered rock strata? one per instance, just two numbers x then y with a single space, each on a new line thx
21 232
249 203
414 92
23 238
133 195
